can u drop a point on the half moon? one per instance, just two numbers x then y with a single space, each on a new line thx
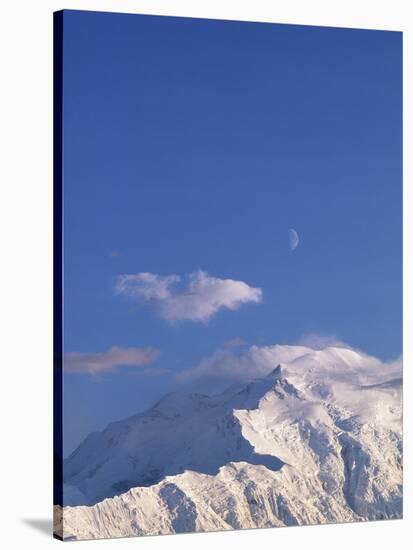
293 238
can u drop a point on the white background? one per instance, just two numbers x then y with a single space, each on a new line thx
26 266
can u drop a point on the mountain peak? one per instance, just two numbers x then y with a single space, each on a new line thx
275 373
297 414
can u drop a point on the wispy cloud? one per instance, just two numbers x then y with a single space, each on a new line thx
316 341
341 363
227 366
197 297
236 342
110 360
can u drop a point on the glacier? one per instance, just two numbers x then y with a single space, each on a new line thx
315 438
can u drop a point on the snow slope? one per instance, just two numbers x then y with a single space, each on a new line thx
316 439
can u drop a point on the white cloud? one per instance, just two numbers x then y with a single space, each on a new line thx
225 366
319 341
197 298
236 342
338 363
114 358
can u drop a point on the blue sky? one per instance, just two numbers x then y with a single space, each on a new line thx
195 145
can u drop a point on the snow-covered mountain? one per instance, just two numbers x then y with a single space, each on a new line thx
316 439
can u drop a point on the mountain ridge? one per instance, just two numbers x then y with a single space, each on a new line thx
316 439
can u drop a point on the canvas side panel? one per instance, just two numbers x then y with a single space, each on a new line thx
57 274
